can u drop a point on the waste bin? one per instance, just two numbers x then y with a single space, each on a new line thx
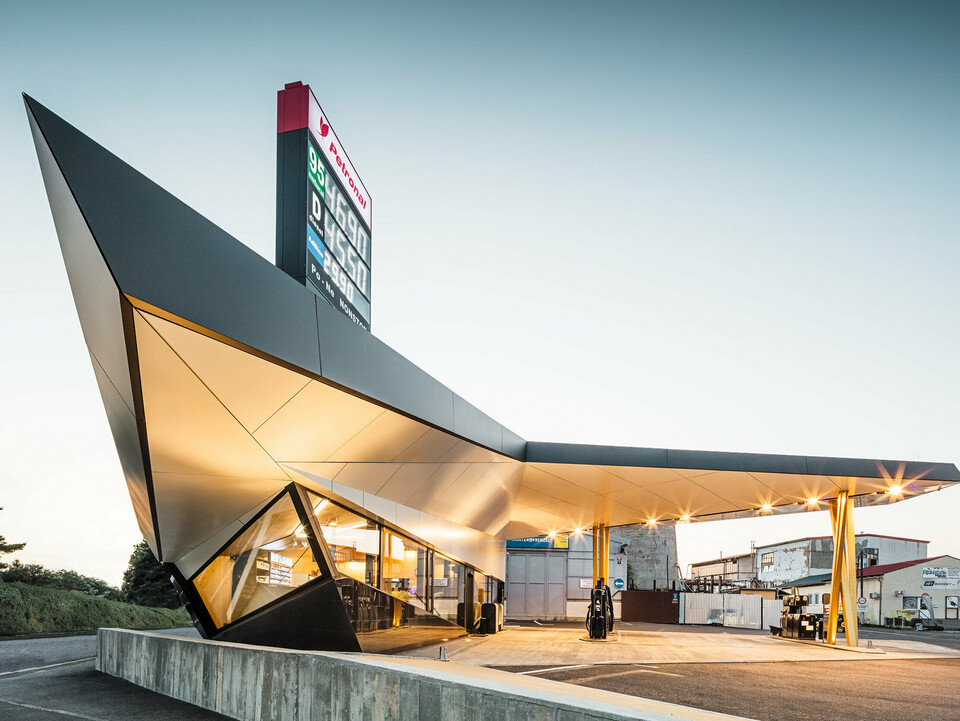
489 618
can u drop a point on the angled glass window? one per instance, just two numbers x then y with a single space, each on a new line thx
354 541
271 558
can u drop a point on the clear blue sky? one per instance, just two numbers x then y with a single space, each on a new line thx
725 226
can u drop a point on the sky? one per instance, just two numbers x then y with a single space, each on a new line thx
716 226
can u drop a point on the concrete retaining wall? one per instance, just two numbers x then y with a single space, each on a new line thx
254 683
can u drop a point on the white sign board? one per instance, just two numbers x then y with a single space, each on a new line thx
338 160
940 577
585 583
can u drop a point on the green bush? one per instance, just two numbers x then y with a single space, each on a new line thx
34 609
33 574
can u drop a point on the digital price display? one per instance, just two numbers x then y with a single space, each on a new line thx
330 232
338 242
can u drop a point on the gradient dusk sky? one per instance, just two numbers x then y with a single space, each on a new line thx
719 226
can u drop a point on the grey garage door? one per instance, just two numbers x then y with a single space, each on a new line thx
536 585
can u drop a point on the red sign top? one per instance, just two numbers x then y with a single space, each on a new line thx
293 107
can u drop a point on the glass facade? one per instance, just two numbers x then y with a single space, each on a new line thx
405 564
354 541
397 592
268 560
448 579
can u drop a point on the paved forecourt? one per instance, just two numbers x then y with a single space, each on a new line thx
561 645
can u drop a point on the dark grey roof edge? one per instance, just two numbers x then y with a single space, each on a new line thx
545 452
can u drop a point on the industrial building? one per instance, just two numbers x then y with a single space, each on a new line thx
893 592
777 564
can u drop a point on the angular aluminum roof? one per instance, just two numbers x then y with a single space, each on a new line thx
221 373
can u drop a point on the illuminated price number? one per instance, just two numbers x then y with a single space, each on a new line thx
339 243
348 221
315 170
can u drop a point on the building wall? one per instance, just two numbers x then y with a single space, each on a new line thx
578 559
736 570
789 561
809 557
651 556
908 580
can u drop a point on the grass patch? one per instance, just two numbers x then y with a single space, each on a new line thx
37 610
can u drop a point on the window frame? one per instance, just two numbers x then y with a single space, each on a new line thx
293 489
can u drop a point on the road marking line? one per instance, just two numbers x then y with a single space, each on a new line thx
51 710
52 665
598 676
591 665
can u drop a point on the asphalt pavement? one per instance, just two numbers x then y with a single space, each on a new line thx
53 679
922 689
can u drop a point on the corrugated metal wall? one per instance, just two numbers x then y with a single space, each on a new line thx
723 609
771 612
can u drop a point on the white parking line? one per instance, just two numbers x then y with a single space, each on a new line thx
596 665
52 665
51 710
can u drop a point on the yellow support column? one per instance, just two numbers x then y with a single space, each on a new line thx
837 509
850 616
843 582
604 553
596 545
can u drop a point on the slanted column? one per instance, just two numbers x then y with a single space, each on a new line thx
843 582
595 532
605 555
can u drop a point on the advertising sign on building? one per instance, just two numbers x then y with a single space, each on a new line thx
324 212
941 577
557 541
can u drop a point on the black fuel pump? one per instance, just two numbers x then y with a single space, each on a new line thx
600 611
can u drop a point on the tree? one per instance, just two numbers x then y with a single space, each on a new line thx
146 583
8 547
33 574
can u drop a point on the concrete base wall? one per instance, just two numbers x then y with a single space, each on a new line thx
254 683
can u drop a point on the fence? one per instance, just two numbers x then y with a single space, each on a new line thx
729 609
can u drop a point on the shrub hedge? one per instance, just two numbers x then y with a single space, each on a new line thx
36 610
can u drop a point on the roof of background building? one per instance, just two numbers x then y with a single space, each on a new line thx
801 540
723 559
859 535
868 572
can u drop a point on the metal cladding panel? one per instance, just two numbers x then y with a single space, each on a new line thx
513 445
164 253
858 467
312 619
126 436
470 422
539 452
94 289
353 358
720 461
